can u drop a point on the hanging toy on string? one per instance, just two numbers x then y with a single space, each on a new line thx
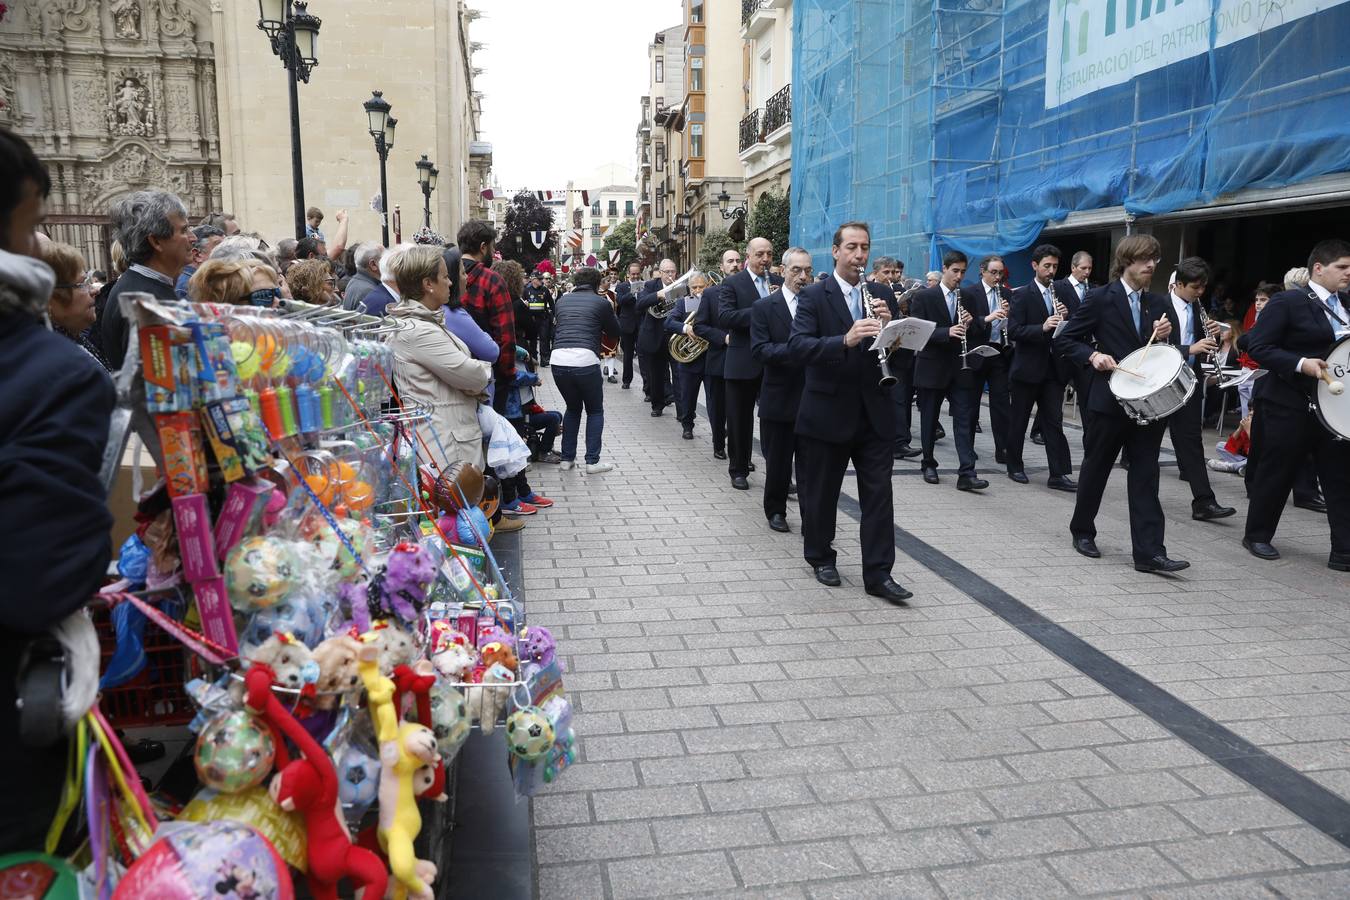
225 860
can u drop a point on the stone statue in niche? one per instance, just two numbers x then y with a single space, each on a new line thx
51 18
126 16
9 93
130 111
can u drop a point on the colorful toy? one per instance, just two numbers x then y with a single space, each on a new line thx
290 661
338 674
259 572
297 615
400 589
397 647
529 734
452 653
233 753
285 831
537 645
224 860
497 652
449 719
358 779
487 699
495 632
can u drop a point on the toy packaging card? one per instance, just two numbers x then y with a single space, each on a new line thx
236 437
184 458
241 513
196 547
216 374
159 365
217 617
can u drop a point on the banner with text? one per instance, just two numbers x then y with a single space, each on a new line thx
1093 44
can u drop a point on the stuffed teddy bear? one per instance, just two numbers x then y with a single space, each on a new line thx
495 633
291 662
338 676
397 648
537 645
452 652
497 652
487 699
399 589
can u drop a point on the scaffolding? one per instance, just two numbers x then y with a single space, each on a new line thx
929 120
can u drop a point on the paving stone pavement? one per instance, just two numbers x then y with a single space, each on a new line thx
744 731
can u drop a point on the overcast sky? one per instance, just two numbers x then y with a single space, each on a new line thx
546 64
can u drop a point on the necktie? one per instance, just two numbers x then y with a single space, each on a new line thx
1049 303
1082 289
951 305
1189 330
1134 308
759 284
994 331
855 303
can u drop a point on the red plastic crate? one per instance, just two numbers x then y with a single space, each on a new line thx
157 696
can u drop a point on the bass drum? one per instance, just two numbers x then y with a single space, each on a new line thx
1334 411
1152 382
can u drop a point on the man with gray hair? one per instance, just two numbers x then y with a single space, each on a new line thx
152 227
206 238
738 294
366 256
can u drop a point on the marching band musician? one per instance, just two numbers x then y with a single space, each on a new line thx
1122 316
1185 425
1036 379
780 392
845 414
890 271
941 371
651 341
1290 340
714 383
989 301
690 374
626 294
737 294
1071 291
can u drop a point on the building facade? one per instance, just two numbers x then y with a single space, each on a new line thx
766 131
659 181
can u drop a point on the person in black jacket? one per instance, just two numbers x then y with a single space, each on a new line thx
651 341
738 294
1121 317
1291 339
780 392
55 407
581 317
714 384
689 375
626 294
539 329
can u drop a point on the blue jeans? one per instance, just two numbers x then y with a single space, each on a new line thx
581 386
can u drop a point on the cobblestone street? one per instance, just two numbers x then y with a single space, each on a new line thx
745 731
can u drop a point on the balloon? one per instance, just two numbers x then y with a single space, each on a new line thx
211 861
256 810
233 752
37 875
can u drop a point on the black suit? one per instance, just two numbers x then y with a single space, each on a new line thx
1285 431
1036 379
688 376
902 367
939 375
1106 316
844 414
628 326
780 396
737 294
1185 425
714 387
992 370
651 345
1079 376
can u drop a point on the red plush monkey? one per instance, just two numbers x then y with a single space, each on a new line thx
309 785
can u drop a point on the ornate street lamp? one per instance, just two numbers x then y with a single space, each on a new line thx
294 35
381 127
426 177
723 201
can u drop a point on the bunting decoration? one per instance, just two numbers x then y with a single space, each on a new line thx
574 238
537 238
614 257
585 198
590 259
487 194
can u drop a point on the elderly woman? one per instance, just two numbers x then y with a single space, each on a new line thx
71 308
312 281
580 318
238 282
431 365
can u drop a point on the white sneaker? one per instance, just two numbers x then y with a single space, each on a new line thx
567 464
598 468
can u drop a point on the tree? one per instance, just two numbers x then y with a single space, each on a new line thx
622 237
526 214
716 242
770 219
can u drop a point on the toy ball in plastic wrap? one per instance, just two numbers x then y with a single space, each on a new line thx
221 860
300 616
259 572
529 734
362 539
537 645
233 752
449 719
39 876
471 526
358 779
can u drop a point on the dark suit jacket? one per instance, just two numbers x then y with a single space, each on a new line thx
976 301
939 362
842 383
651 331
737 294
627 302
1034 361
1105 315
1291 327
1065 294
707 326
780 393
674 325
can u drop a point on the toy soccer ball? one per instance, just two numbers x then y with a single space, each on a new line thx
259 573
449 719
301 617
233 753
529 734
358 779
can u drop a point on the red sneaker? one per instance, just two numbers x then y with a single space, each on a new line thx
540 501
521 508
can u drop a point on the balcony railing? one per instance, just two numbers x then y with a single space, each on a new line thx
748 8
750 131
777 110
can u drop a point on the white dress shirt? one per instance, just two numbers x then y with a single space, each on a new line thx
791 300
848 290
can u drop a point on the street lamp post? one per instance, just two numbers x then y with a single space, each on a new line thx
294 34
426 177
723 201
381 126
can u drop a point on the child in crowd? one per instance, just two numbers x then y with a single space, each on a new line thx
1233 452
518 498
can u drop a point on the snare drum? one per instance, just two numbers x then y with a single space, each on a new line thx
1161 383
1332 411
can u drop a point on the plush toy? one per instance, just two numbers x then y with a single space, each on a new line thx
404 749
497 633
537 645
487 699
397 647
417 681
400 588
309 785
497 652
291 662
529 733
338 676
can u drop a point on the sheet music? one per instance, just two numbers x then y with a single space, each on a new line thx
903 334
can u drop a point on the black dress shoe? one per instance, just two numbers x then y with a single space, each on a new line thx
828 576
907 453
752 467
1020 477
1088 547
145 750
1316 504
688 434
941 433
930 475
778 522
1160 565
1260 549
1211 510
657 413
719 454
1062 483
971 483
1038 439
1339 561
1001 457
739 483
627 387
890 591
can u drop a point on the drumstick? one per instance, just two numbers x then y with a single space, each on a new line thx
1149 344
1335 388
1128 372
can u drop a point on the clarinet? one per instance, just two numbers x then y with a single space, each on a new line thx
887 379
1211 364
965 349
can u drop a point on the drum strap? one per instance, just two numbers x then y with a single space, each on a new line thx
1312 295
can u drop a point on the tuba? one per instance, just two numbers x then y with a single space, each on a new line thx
686 349
674 291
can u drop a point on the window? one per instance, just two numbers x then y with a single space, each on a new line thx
660 104
613 208
628 208
595 208
660 72
660 204
595 230
660 157
696 73
696 140
696 12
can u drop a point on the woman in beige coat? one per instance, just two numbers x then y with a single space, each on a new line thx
432 367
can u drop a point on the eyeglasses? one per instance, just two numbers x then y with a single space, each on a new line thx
79 285
264 296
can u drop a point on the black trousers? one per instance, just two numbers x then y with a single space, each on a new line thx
741 395
543 327
963 400
995 375
903 394
777 440
673 393
821 466
1287 437
691 378
1105 439
1048 398
656 380
715 396
1188 444
627 347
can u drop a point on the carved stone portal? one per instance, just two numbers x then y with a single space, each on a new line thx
131 112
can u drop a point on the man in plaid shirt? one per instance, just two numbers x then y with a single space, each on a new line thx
489 302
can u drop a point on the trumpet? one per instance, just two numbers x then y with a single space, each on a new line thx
887 379
683 347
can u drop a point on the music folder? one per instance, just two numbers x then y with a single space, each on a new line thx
903 334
